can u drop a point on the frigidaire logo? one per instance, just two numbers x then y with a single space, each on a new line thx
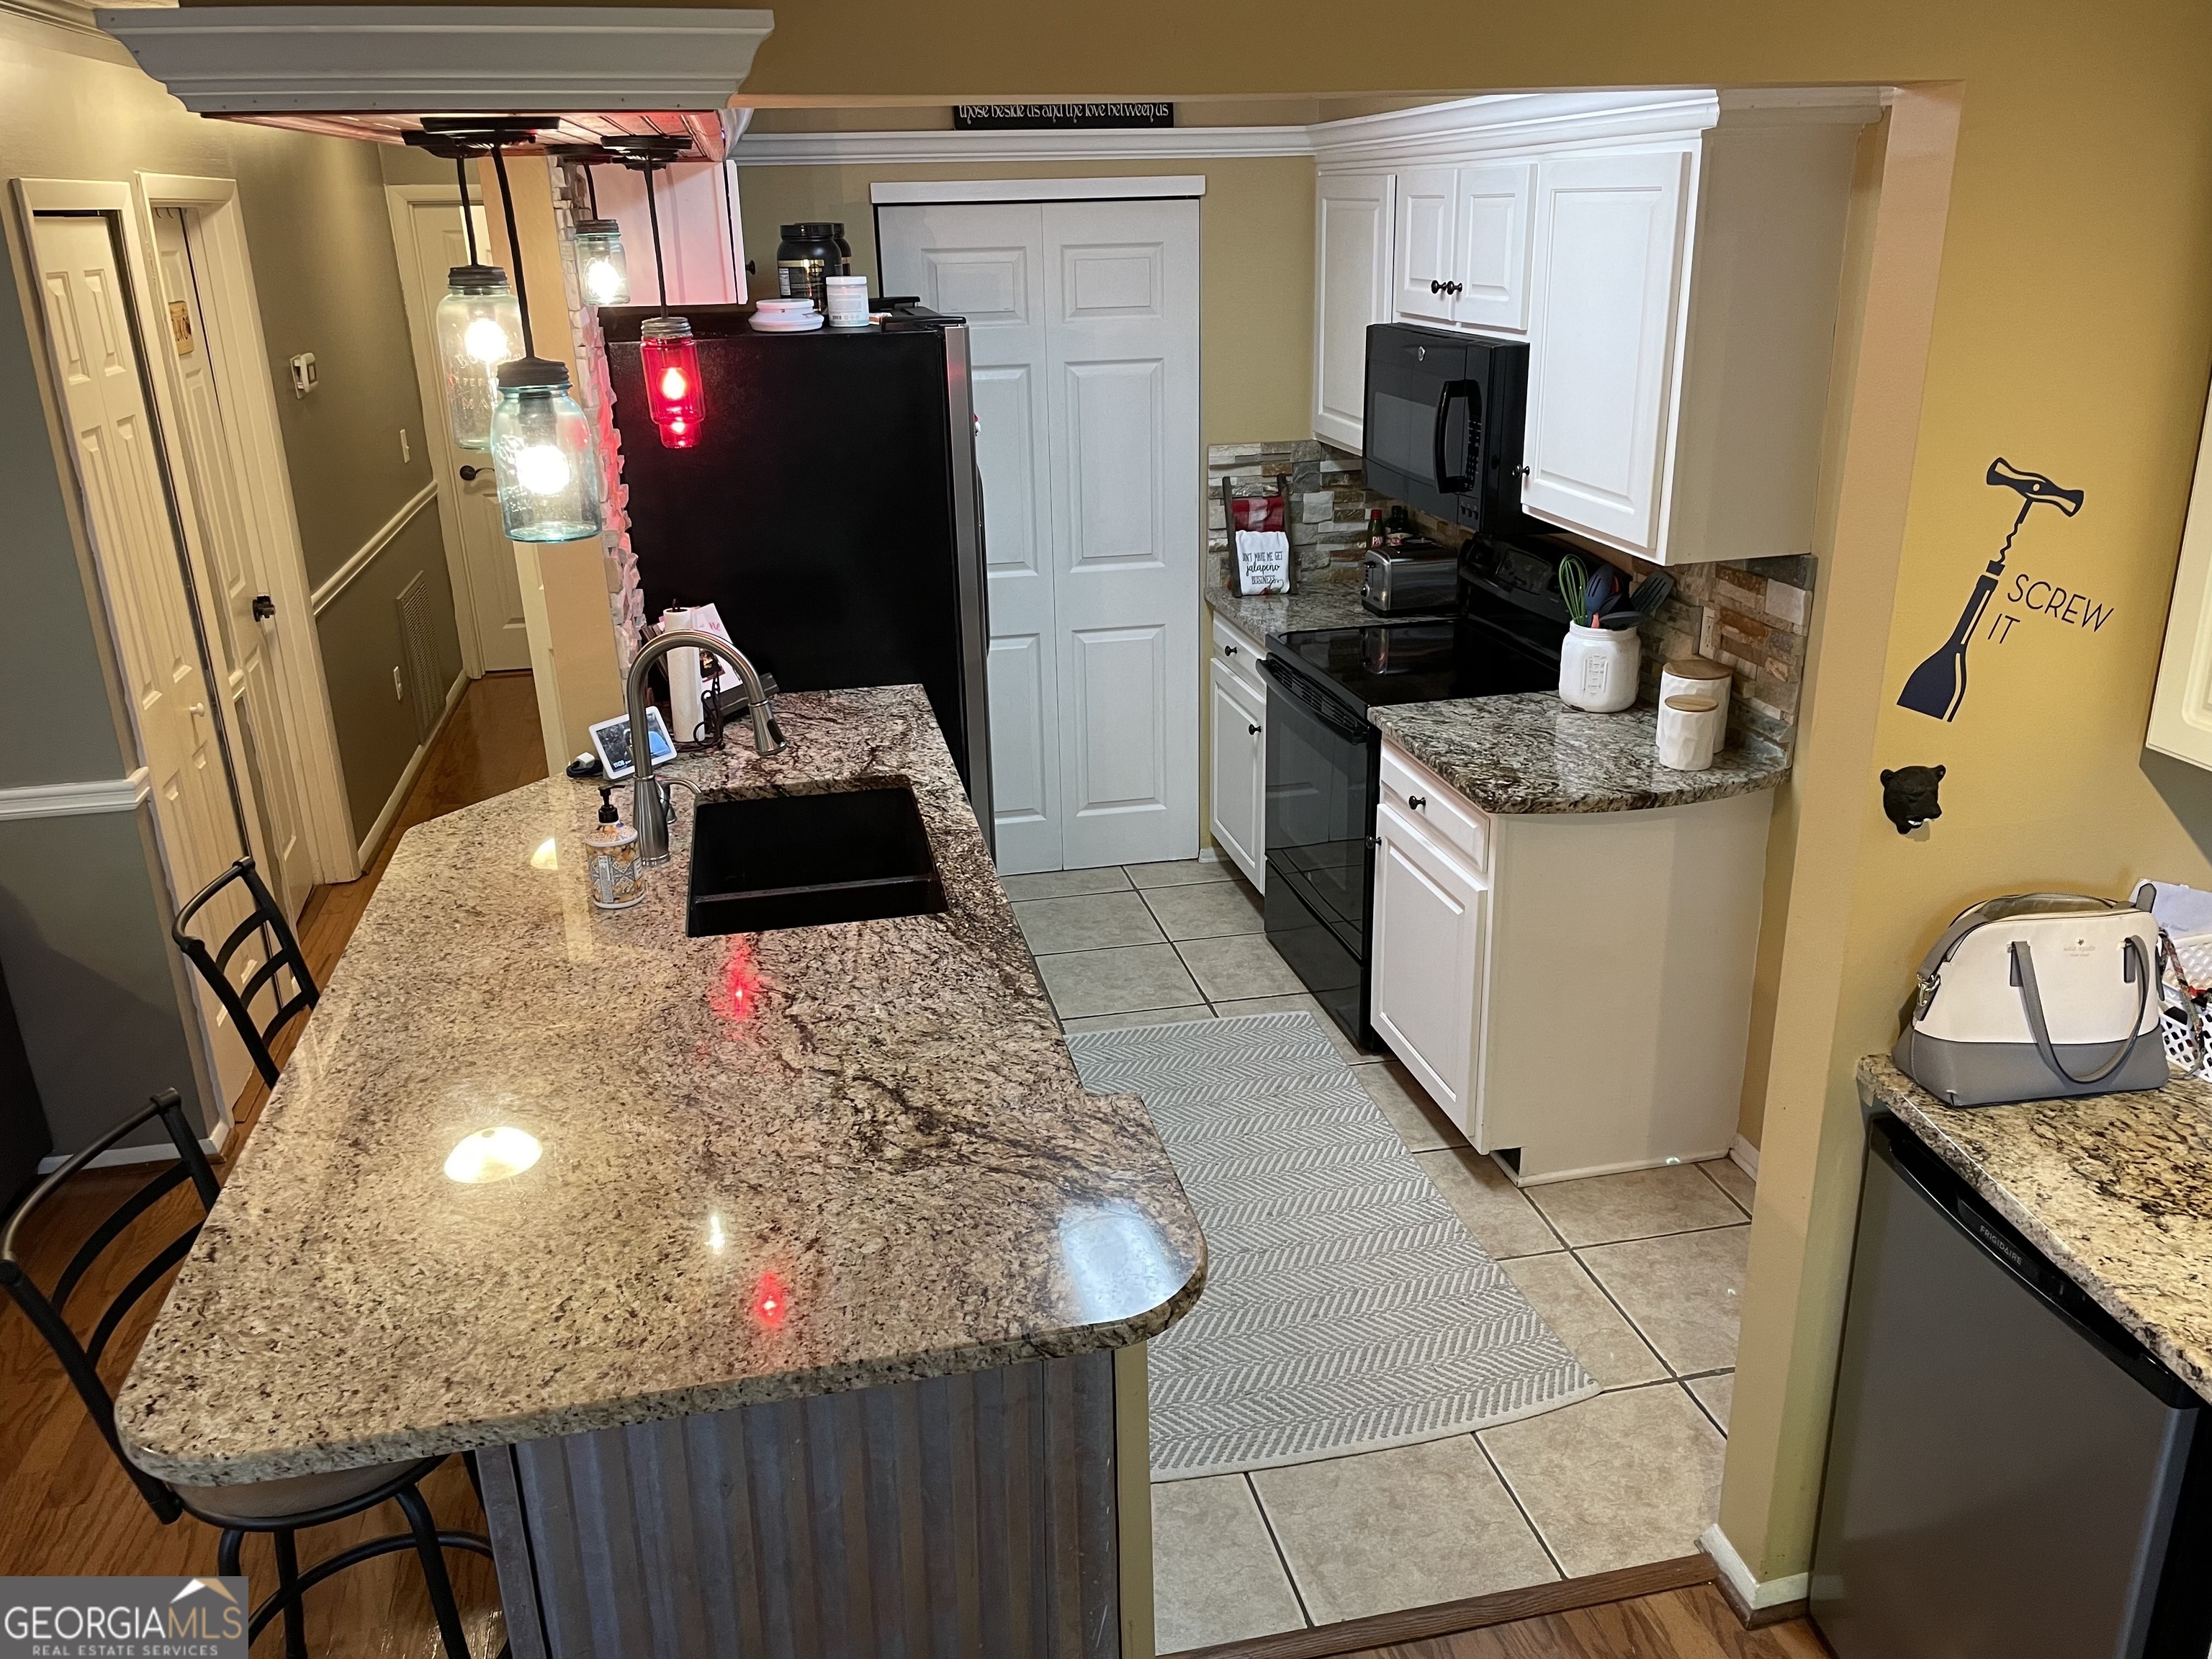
123 1618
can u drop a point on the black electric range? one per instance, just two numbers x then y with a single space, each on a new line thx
1324 759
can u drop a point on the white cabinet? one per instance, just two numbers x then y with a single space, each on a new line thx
1600 369
1571 1024
1430 908
1352 290
1674 261
1236 779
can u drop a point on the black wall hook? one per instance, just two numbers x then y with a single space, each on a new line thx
1908 796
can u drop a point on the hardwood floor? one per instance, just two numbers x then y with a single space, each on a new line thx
1683 1624
65 1506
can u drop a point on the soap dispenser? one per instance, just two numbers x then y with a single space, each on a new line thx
610 857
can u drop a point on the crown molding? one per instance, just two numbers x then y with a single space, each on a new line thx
259 60
1085 144
1167 186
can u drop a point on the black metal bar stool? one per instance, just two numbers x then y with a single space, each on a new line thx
266 918
281 1507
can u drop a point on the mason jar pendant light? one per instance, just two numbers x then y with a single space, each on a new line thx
674 394
478 327
540 444
601 269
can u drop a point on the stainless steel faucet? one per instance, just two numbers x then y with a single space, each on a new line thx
648 801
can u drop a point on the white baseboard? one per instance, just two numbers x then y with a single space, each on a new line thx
1209 855
382 827
1749 1591
122 1157
1744 1156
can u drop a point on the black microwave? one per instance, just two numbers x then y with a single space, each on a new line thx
1443 419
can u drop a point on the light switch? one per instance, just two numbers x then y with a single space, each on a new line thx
303 374
404 457
398 685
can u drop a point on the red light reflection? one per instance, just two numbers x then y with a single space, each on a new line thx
771 1302
737 995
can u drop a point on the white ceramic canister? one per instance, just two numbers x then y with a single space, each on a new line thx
1696 676
1597 668
1690 731
848 301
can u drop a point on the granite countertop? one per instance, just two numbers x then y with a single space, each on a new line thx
2115 1189
1325 604
876 1126
1529 752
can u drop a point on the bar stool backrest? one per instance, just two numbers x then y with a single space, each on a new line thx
267 919
48 1309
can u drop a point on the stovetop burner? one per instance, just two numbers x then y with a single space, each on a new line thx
1424 661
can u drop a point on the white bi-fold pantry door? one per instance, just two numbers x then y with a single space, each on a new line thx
1083 319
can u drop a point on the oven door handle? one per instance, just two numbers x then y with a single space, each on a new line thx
1453 391
1316 703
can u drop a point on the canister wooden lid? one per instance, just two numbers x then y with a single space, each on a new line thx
1697 668
1692 705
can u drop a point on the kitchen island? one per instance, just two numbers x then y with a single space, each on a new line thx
801 1331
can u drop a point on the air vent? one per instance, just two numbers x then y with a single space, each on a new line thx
421 658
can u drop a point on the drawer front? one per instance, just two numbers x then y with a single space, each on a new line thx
1240 651
1453 819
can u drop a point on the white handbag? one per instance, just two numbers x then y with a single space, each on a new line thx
2036 996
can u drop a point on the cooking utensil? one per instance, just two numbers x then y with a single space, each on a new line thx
1657 589
1598 596
1574 580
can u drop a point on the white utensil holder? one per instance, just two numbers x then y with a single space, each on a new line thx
1597 668
1690 731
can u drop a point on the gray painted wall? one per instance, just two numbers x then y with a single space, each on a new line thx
84 906
360 633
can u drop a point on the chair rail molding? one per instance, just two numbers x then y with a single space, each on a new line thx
259 60
364 556
70 800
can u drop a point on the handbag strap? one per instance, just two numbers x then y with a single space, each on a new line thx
2031 998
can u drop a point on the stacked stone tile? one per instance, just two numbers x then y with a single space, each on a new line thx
1327 513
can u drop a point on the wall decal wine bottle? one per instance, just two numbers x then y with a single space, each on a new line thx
1938 686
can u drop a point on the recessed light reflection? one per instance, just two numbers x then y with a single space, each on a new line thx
492 1155
715 1242
548 855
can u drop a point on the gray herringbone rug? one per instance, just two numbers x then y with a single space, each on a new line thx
1346 1307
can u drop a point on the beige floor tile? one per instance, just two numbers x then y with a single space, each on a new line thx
1590 1326
1242 965
1215 1573
1730 1177
1180 872
1419 1123
1205 909
1502 1219
1617 1481
1137 1016
1304 1002
1406 1527
1095 922
1064 884
1716 1395
1640 1204
1120 982
1685 1294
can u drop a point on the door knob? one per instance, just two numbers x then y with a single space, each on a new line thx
1254 730
470 474
264 607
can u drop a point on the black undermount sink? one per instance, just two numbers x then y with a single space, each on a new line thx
774 861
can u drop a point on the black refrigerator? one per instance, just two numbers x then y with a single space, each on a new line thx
831 509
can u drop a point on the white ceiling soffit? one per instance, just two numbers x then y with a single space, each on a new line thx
261 60
1502 121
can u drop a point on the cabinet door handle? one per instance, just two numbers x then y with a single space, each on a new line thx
1436 287
1419 803
1456 289
1254 730
264 607
1228 650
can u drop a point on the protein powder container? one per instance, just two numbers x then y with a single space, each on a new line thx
808 256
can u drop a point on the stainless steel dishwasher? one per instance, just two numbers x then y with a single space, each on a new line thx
2010 1475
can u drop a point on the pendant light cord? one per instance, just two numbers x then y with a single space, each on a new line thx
514 246
468 219
652 212
592 189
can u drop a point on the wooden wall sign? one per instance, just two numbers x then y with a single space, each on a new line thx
1030 118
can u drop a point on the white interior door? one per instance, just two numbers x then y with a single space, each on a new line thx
431 240
240 639
1084 346
133 519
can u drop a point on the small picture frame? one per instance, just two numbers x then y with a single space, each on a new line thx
611 739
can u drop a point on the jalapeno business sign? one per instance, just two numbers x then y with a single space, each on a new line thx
123 1618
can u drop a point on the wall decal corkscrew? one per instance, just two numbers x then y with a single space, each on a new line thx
1938 686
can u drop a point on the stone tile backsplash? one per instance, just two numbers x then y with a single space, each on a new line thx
1752 616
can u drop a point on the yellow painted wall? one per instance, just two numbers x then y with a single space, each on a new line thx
1255 265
